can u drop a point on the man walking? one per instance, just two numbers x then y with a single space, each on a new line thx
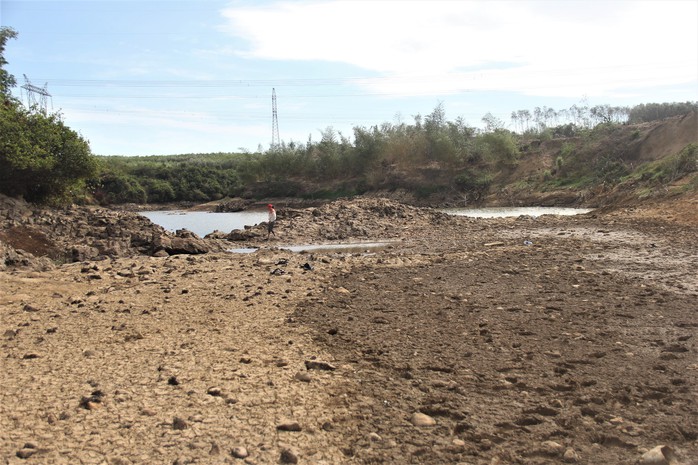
272 220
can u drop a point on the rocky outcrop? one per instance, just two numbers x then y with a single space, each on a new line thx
36 236
357 219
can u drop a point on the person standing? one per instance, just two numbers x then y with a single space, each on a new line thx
272 220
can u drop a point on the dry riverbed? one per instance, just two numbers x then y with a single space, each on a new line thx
458 342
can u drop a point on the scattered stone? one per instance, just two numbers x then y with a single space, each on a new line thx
214 391
375 437
303 376
173 381
660 455
239 452
93 402
315 365
245 360
570 456
30 308
553 448
179 423
25 453
420 419
289 455
289 425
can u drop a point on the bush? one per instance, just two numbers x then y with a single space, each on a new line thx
41 159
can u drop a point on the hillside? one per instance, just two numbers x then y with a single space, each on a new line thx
571 170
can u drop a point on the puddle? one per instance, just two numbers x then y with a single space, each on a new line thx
355 247
506 212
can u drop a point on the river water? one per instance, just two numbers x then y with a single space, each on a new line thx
203 223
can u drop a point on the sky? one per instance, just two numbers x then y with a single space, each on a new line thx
150 77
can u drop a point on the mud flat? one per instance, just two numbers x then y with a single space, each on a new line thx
526 340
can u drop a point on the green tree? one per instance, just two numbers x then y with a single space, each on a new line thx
7 81
41 159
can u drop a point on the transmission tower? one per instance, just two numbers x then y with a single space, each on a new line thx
275 141
37 97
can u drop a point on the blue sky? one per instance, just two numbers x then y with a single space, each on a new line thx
148 77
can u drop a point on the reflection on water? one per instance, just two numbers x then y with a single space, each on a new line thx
506 212
348 247
355 247
202 223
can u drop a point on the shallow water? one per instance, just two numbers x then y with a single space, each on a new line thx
349 247
505 212
203 223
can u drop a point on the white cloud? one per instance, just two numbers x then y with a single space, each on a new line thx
158 131
439 47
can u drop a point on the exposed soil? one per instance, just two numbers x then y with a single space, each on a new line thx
578 348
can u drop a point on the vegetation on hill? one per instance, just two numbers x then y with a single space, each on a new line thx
429 158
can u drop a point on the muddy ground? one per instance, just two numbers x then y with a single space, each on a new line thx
458 342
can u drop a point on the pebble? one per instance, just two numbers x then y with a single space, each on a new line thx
239 452
660 455
26 452
214 391
179 423
420 419
315 365
375 437
289 455
570 456
552 447
289 426
303 376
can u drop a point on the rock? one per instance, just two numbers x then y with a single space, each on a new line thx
25 453
315 365
179 423
289 425
214 391
570 456
303 376
552 448
660 455
375 437
420 419
289 455
239 452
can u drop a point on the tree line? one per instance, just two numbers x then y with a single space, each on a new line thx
582 115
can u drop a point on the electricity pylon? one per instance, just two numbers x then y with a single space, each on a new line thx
275 141
32 91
